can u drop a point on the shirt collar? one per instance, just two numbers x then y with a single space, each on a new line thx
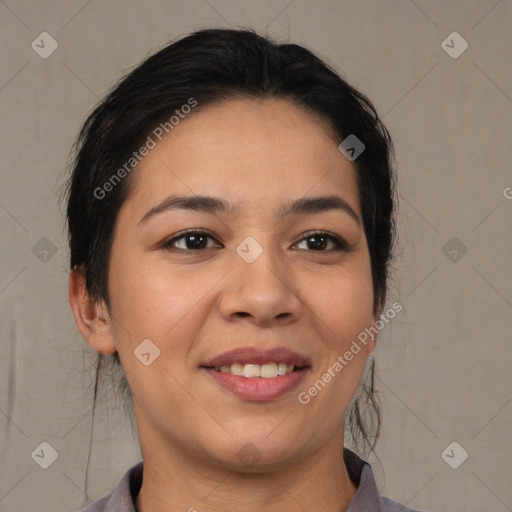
367 497
123 496
360 472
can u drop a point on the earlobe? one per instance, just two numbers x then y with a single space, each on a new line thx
90 316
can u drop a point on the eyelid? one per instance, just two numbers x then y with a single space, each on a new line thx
340 243
167 243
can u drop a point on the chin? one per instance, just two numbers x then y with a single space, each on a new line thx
257 455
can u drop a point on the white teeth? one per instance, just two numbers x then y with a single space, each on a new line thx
282 368
269 370
251 370
237 369
265 371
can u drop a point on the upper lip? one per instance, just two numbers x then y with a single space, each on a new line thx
253 355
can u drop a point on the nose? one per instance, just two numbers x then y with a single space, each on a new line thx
260 292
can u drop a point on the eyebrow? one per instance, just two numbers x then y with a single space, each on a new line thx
317 205
213 205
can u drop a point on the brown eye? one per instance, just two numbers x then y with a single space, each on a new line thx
319 242
190 241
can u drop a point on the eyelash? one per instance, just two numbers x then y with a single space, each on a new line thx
340 244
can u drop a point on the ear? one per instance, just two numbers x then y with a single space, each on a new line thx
91 317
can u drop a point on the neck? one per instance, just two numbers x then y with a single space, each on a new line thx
174 481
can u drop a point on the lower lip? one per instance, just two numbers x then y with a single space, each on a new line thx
258 388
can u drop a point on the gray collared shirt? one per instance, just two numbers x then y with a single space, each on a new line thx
366 499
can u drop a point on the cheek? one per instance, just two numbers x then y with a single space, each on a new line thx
162 305
342 304
342 313
343 301
159 301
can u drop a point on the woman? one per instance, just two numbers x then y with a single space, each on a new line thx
230 219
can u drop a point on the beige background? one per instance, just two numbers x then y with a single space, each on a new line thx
444 362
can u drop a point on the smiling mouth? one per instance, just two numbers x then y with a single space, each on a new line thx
253 371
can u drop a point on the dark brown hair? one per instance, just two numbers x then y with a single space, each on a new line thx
210 66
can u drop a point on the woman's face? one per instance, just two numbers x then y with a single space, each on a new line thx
253 282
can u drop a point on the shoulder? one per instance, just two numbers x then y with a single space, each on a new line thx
387 505
122 498
97 506
367 497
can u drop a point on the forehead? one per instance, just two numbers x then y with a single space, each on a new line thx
259 151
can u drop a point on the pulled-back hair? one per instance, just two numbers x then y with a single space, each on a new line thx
210 66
